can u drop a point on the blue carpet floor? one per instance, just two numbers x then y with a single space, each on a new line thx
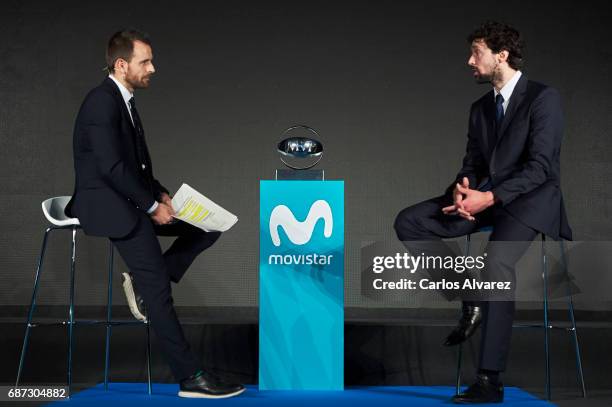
134 394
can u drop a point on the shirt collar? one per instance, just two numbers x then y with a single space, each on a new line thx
508 88
124 92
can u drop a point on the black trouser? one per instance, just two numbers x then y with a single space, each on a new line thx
153 271
426 222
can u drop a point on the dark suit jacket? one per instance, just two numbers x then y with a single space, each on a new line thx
522 168
110 185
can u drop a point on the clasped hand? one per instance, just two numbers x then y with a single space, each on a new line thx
468 202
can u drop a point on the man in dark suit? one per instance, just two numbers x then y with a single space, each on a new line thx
117 196
510 180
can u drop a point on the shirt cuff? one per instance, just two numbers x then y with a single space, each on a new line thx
153 207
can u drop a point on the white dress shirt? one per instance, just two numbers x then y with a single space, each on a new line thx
127 95
508 88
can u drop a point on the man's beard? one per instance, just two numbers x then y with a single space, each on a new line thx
488 77
484 78
138 83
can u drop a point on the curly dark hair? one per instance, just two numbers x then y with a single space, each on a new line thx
499 37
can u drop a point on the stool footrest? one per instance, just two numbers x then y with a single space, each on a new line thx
86 322
541 326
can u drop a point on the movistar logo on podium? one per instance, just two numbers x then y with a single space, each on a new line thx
300 233
301 281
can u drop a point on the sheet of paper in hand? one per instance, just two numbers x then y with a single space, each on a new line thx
194 208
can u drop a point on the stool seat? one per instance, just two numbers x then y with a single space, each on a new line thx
53 209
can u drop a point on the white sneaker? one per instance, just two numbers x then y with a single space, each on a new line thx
134 300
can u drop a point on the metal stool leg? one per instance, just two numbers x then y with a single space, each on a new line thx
71 309
109 325
109 305
573 321
71 321
26 338
468 239
149 386
546 324
458 379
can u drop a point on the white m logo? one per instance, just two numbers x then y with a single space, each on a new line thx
300 232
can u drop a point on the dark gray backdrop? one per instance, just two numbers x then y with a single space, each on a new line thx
385 83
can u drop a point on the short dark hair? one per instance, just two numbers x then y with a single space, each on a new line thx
499 37
121 45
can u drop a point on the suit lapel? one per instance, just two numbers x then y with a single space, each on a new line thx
124 111
130 141
126 116
518 95
489 120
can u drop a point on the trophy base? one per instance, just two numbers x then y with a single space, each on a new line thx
304 175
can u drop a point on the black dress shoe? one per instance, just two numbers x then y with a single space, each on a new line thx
470 320
207 385
483 391
134 299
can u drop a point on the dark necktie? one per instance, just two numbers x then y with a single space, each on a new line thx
499 117
142 154
499 110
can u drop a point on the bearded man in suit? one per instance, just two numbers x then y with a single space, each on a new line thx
510 181
117 196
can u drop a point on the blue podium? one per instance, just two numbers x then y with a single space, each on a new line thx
301 282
